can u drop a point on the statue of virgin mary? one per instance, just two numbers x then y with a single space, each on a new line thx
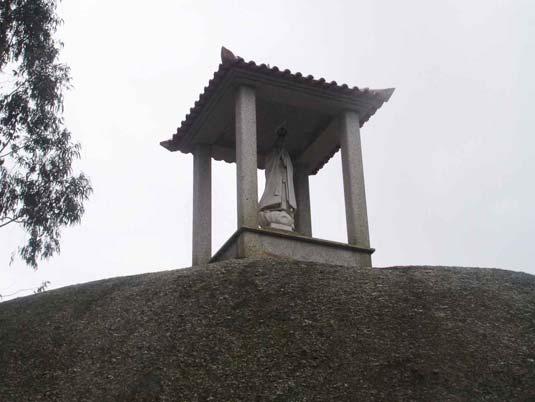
278 204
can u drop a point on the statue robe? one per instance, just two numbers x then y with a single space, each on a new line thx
279 193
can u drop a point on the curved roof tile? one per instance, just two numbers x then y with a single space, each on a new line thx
229 61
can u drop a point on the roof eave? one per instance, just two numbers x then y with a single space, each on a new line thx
230 62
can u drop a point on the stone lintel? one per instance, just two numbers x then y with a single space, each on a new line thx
264 242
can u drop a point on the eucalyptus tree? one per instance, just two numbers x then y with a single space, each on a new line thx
38 188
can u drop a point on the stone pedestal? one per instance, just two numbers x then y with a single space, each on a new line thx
271 243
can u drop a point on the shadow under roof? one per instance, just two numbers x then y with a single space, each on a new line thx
308 107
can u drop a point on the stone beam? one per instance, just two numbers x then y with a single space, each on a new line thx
320 149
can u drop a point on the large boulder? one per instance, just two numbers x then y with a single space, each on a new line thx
268 329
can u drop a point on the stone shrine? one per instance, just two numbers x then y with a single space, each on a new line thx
262 117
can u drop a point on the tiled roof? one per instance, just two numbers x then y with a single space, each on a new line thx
229 61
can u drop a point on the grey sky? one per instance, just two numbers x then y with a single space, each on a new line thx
449 161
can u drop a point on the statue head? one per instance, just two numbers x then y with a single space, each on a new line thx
281 136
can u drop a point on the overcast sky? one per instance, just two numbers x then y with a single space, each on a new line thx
449 162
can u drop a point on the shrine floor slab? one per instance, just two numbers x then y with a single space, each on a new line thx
256 242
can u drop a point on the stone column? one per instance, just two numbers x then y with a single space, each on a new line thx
352 169
202 205
246 157
303 221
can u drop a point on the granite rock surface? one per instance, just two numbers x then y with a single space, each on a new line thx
275 330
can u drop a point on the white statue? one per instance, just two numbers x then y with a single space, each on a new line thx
278 205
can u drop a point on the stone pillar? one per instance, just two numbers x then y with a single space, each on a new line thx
202 205
246 157
303 221
352 169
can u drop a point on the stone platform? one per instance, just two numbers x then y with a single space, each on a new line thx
254 242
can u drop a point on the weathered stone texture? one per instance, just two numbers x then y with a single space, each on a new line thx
246 157
202 205
275 330
353 176
303 219
285 244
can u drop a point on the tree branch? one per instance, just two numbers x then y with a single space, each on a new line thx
11 220
15 90
7 142
8 153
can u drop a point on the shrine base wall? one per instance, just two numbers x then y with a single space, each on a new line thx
253 242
